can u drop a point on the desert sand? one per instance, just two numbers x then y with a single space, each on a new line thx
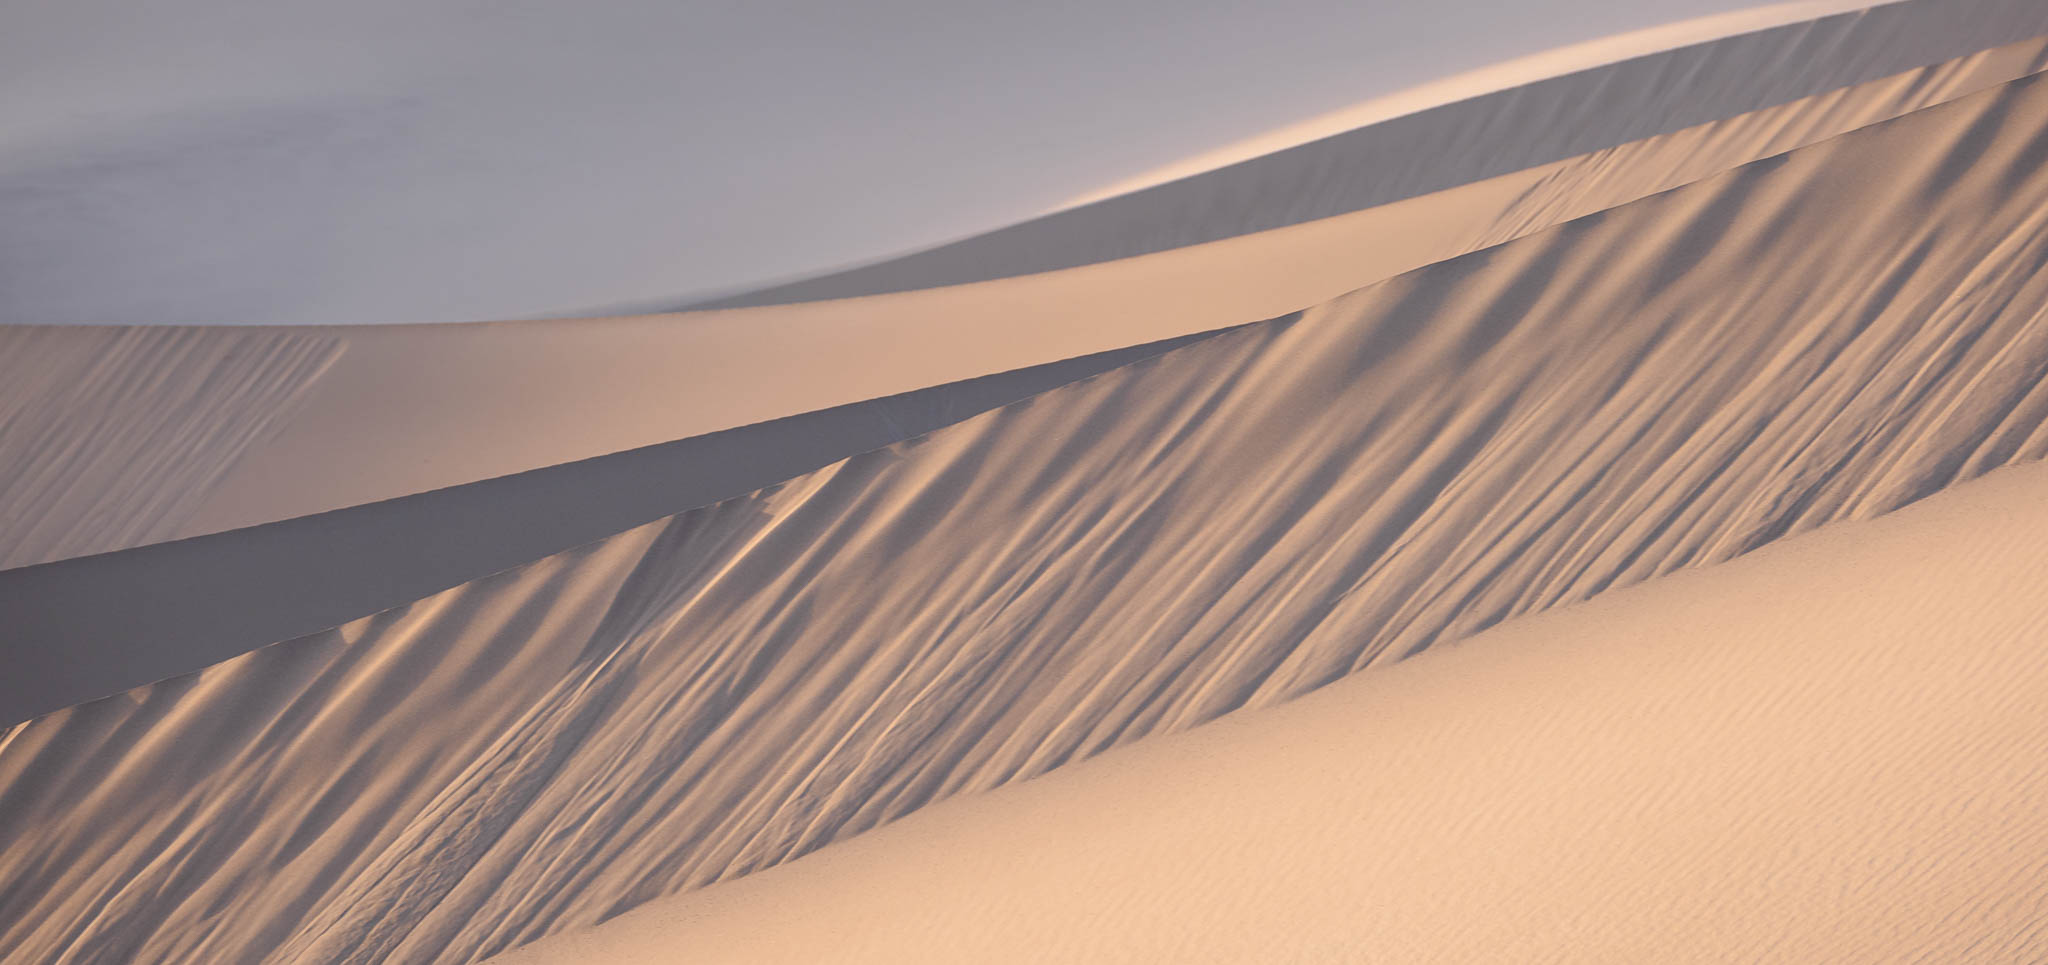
441 161
308 573
406 409
1594 519
1828 750
1231 524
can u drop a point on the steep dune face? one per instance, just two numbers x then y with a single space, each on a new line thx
81 629
1822 336
1829 750
113 437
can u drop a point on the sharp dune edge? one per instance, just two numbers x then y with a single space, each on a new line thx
311 573
1822 336
392 149
85 628
1826 751
422 407
1431 150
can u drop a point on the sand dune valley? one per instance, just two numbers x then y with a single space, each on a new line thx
1398 481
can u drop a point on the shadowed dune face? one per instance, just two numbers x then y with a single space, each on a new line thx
82 629
1822 336
1829 750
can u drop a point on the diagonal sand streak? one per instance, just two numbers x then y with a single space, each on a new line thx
1820 336
1826 751
113 437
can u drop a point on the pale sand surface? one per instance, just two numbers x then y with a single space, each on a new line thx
1828 750
408 409
1819 337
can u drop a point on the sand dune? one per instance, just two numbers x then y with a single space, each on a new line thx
315 572
85 628
113 437
437 161
1526 125
1818 337
1828 750
414 408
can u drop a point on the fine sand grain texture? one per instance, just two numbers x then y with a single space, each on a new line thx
1828 750
414 408
1819 337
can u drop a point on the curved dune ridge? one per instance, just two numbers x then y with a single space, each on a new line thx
437 161
1821 336
313 572
1522 126
414 408
1828 750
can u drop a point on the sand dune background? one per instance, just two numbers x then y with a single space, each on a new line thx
409 409
1470 140
437 160
318 571
1820 336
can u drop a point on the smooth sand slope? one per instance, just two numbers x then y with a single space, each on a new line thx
408 409
1822 336
1828 750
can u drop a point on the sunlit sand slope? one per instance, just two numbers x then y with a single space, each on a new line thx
1828 751
112 437
1822 336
